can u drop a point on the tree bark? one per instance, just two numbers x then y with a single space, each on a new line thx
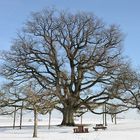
112 118
68 117
21 115
115 119
35 123
81 119
14 121
49 120
105 116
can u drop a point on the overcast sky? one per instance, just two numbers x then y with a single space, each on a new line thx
125 13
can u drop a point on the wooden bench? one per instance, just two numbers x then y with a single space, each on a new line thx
80 129
99 126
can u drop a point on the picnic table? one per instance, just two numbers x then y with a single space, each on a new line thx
80 129
99 126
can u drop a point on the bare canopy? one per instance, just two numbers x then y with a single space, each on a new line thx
75 55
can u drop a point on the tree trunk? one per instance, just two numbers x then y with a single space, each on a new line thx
112 118
21 115
68 117
14 121
105 116
35 123
81 119
49 120
115 119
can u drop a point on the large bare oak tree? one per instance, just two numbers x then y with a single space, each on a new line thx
75 55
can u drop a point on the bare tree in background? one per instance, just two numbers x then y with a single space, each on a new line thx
69 53
113 109
124 91
39 102
36 100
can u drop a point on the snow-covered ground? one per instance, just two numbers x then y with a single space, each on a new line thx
126 129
